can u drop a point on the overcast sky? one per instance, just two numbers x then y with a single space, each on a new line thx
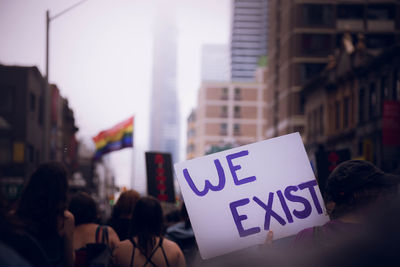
101 60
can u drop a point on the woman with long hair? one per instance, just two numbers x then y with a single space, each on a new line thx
146 246
122 213
87 230
42 209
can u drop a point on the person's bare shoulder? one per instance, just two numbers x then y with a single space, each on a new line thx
173 249
113 237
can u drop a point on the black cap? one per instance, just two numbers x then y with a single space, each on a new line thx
353 175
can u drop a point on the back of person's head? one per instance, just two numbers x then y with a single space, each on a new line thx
125 204
44 198
355 184
84 208
147 222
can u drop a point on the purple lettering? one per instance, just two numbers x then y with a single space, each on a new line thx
239 218
208 185
310 185
285 206
307 206
234 168
269 212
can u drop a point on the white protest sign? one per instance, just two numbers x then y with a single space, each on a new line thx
234 197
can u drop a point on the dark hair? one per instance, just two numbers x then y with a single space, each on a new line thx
147 222
125 204
44 199
83 207
355 184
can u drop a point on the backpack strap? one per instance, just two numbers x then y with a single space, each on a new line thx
102 231
104 238
97 235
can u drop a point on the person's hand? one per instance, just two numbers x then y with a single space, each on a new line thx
270 238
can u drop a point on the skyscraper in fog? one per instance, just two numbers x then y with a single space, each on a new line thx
248 37
164 125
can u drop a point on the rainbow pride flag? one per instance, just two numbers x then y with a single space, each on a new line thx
116 138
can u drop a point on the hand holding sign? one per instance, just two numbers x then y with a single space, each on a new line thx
234 197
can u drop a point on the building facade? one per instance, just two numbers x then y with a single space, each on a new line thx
248 37
303 34
22 127
228 114
354 106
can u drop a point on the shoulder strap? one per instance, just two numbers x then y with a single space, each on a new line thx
97 235
104 234
104 238
162 249
133 251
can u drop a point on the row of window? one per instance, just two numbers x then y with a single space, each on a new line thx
224 129
236 112
323 15
370 106
237 94
8 103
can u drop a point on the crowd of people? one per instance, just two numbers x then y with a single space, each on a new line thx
47 227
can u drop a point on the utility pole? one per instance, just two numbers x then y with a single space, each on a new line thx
47 93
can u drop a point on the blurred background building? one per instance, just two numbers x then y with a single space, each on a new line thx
228 114
303 34
164 113
22 139
248 37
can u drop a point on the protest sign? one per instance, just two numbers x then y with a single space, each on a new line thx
234 197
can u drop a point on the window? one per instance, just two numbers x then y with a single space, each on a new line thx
310 70
384 88
375 41
361 104
31 153
5 150
223 129
224 111
381 12
237 112
317 15
346 114
396 84
237 94
316 43
236 129
41 110
337 115
372 101
6 99
224 95
350 12
32 101
321 120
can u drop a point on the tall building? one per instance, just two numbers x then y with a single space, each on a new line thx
215 63
228 114
353 111
248 37
302 36
164 128
22 119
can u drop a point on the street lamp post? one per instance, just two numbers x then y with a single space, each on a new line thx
47 109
